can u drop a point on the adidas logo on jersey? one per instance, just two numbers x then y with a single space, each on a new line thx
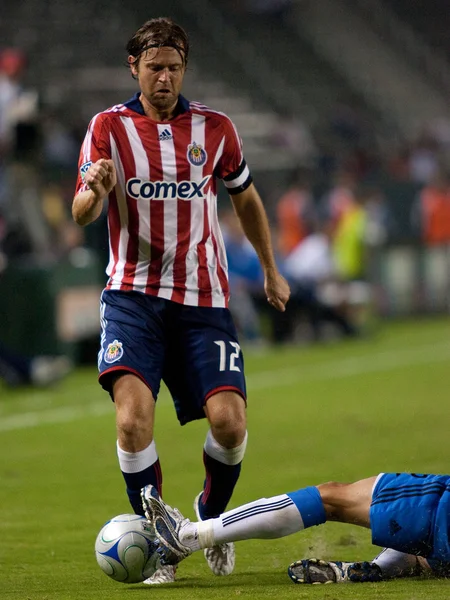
394 527
165 135
165 190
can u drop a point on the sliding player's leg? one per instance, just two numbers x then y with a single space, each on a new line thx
265 518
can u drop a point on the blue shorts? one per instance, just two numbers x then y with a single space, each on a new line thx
410 513
193 349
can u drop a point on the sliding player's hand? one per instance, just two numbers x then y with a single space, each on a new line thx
101 177
277 290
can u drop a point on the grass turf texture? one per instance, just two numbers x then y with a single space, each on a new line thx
337 412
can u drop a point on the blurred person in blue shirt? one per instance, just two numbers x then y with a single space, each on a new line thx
245 276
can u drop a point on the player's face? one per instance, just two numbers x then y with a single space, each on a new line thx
160 72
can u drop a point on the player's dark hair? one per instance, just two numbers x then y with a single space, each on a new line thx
157 33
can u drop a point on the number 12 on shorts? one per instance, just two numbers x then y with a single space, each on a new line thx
232 357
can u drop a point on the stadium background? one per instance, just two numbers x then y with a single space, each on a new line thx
329 89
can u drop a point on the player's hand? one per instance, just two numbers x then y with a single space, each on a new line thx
277 290
101 177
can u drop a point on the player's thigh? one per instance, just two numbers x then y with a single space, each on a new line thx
404 510
204 358
132 341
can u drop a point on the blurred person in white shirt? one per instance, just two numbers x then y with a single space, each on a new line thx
315 287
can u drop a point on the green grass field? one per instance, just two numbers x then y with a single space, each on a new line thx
342 411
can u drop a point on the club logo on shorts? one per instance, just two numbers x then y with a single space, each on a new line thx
113 352
196 154
84 168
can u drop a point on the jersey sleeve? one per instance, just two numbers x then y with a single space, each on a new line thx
232 168
96 145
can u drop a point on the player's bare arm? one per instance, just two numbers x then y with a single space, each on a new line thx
252 215
87 206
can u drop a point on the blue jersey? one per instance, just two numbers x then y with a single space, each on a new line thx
193 349
410 513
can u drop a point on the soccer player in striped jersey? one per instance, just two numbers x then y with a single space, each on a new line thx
157 160
407 513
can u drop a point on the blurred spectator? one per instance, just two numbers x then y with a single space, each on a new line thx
37 219
340 199
295 213
349 238
309 266
18 107
352 248
311 261
431 212
20 204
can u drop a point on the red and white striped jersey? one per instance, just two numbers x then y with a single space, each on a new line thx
164 233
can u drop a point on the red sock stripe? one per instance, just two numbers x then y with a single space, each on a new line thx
158 473
207 486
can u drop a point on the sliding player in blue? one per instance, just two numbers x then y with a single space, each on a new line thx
407 513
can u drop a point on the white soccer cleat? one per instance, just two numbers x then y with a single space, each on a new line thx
165 574
167 522
220 558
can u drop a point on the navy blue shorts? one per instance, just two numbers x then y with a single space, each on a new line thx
409 513
193 349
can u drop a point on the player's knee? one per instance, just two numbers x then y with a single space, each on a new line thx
346 502
229 438
332 491
228 427
334 497
133 433
134 413
127 423
228 433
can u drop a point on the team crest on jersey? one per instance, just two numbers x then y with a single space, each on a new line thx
84 168
196 154
113 352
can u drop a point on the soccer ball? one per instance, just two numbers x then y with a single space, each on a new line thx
125 549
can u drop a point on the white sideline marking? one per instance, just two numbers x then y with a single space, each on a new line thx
355 365
55 415
347 367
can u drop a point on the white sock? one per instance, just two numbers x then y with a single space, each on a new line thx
266 518
396 564
134 462
227 456
188 535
